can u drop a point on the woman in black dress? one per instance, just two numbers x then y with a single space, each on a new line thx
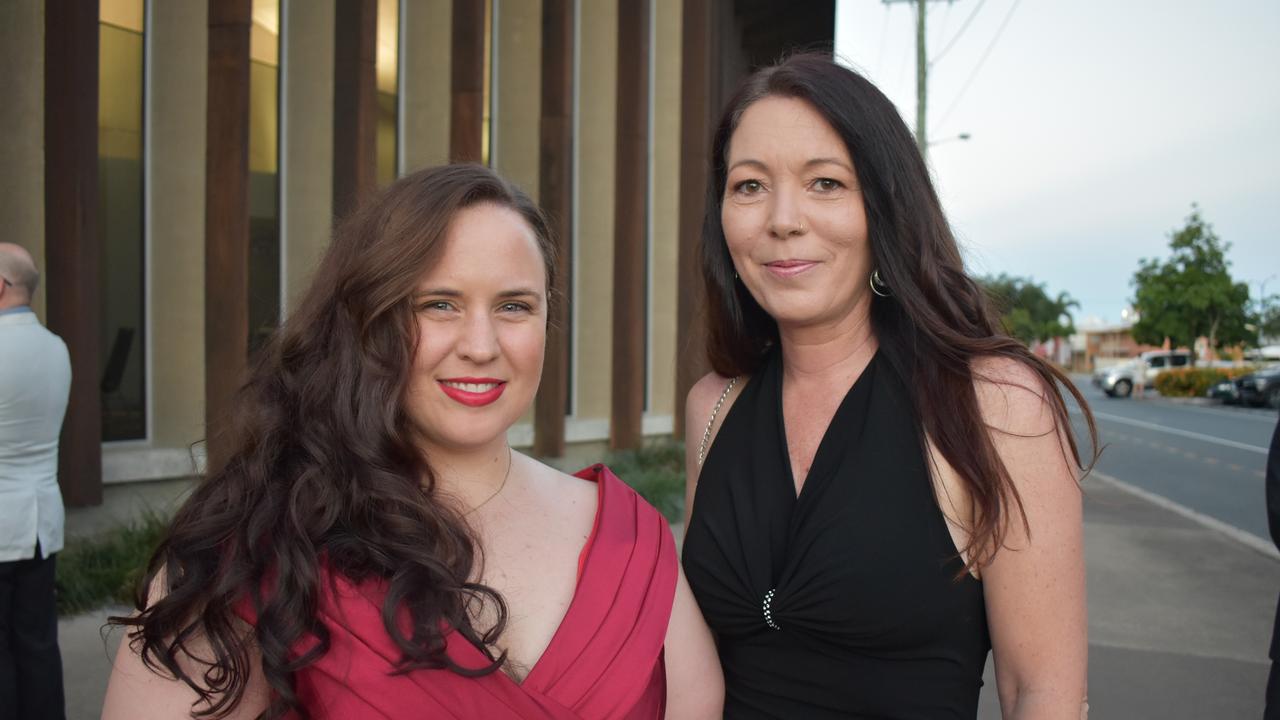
883 485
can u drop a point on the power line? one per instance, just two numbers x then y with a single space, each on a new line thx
946 20
959 32
986 54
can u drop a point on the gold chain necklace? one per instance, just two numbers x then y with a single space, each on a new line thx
501 487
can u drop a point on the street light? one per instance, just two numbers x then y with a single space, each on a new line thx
953 138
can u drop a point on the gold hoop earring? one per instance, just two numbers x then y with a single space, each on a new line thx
878 286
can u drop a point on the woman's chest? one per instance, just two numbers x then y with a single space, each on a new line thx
535 571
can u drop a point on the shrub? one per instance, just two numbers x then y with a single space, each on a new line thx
1194 382
106 569
657 473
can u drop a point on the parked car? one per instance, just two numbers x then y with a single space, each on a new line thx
1225 391
1118 380
1261 387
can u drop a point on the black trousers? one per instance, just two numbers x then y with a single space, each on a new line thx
30 663
1272 711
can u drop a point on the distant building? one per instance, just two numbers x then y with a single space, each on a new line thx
1105 345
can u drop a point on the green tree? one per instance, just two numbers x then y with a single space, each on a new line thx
1026 309
1267 318
1191 294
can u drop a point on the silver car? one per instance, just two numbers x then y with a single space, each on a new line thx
1119 380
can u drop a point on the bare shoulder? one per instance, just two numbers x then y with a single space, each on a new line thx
705 393
1012 396
567 489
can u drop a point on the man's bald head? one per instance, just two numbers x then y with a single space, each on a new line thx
17 266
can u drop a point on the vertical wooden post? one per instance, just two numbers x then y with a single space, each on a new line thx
555 183
466 111
72 252
630 221
355 103
226 219
697 106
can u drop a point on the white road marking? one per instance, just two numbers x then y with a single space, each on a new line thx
1183 433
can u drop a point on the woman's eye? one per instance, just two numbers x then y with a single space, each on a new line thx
827 184
514 307
437 305
748 187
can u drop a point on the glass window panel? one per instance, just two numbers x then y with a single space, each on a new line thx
387 68
486 121
120 212
264 174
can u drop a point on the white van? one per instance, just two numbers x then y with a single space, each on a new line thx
1118 381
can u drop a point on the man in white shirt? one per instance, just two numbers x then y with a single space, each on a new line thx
35 379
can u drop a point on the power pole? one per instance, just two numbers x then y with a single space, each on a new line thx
922 74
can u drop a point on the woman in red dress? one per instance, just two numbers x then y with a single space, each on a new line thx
373 548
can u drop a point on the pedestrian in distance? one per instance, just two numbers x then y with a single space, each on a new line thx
373 548
883 484
35 379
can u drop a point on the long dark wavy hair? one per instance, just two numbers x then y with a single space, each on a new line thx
937 320
326 470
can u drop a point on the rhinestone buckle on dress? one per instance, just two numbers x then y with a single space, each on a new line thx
768 610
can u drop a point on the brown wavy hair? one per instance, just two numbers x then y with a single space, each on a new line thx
937 320
326 468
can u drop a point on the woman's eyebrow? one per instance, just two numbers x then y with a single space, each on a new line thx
439 292
518 292
828 161
751 162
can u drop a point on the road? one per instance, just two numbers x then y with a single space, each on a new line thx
1210 459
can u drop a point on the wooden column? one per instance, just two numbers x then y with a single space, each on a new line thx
466 87
355 103
629 230
555 183
72 247
226 218
697 109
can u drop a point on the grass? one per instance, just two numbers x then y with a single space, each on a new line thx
93 572
657 473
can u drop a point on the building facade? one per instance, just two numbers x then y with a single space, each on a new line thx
176 166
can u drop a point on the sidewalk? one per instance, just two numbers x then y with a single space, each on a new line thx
1179 615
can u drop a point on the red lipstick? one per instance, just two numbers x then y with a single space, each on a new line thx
471 391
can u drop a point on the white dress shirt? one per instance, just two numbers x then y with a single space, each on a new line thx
35 379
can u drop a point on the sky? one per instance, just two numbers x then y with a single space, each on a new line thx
1094 125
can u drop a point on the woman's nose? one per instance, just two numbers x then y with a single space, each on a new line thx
786 218
479 341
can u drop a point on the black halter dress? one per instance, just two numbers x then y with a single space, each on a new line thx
843 601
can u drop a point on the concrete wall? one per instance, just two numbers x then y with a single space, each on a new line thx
306 183
178 38
664 220
22 127
424 83
593 235
518 92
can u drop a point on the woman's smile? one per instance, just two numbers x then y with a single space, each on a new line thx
473 392
789 268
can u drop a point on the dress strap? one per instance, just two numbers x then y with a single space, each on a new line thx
706 435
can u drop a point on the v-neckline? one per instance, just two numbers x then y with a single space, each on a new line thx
823 448
599 477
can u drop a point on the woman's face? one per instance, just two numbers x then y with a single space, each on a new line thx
482 326
793 216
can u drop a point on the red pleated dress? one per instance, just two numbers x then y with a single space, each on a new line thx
605 660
